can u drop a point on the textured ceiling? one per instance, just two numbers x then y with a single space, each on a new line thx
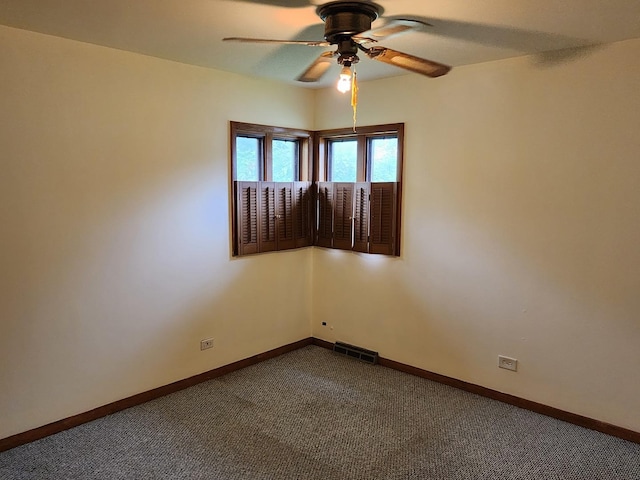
462 32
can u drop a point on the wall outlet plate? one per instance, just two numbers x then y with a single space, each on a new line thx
508 363
206 343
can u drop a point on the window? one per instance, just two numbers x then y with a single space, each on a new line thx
383 157
272 208
249 158
352 204
359 189
271 154
343 160
285 160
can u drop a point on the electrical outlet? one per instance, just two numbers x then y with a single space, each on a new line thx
508 363
206 343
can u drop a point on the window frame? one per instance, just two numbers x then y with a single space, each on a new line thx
369 155
298 156
322 167
329 157
267 134
313 171
261 148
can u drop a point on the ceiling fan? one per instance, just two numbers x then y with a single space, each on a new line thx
347 24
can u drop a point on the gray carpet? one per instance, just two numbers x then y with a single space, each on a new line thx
312 414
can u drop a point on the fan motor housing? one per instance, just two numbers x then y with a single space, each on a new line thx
343 19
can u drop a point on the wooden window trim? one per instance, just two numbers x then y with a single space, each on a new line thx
313 169
304 169
362 135
267 133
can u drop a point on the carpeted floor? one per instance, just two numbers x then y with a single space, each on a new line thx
312 414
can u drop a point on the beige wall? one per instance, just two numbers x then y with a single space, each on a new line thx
521 226
114 252
521 231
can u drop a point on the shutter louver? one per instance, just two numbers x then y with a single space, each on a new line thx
343 216
383 218
361 218
268 216
247 217
285 217
325 214
302 209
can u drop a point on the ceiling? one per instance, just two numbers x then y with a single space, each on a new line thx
462 32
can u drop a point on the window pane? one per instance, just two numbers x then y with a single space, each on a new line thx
248 159
343 160
384 159
285 160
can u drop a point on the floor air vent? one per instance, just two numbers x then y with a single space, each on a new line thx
359 353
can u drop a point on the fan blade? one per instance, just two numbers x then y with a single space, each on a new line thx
409 62
318 68
282 3
394 27
281 42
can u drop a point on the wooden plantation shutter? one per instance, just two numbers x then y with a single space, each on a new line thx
272 216
302 214
361 218
247 217
358 216
268 213
277 216
325 214
343 216
383 218
285 216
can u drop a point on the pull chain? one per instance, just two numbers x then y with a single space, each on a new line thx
354 98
